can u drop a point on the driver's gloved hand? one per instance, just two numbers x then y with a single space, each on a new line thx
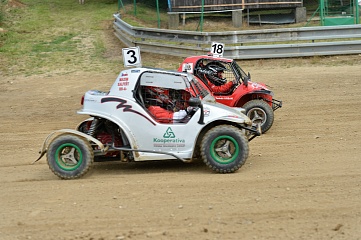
179 115
235 82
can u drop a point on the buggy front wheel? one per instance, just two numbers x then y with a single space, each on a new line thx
260 112
224 149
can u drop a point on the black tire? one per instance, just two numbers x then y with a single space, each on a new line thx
224 149
70 156
260 113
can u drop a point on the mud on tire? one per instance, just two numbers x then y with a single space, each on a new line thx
224 149
69 156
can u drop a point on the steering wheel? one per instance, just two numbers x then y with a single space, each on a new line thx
234 87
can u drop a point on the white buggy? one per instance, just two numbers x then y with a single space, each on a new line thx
122 127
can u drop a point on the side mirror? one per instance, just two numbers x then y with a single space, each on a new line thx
245 80
196 102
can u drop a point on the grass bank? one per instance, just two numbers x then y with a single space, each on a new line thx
56 35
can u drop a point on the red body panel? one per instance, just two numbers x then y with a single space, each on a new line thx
242 94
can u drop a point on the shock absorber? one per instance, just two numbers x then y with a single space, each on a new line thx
93 126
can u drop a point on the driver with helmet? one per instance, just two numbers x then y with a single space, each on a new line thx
162 101
214 76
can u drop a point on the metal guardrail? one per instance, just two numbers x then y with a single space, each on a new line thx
248 44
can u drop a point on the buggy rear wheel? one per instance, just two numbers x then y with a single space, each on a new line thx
224 149
260 113
70 156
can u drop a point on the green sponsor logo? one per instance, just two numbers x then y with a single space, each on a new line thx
169 133
169 140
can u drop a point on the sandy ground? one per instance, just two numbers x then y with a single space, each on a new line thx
301 180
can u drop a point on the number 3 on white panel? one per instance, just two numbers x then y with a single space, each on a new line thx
131 57
217 49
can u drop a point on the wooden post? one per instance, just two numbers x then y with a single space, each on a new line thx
173 20
237 18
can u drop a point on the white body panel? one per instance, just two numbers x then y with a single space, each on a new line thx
141 129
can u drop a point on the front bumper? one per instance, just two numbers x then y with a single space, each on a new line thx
276 104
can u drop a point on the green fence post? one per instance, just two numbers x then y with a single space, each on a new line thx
202 15
120 3
158 16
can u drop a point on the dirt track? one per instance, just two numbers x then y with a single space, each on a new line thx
301 181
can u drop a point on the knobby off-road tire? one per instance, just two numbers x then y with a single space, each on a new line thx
224 149
70 156
260 113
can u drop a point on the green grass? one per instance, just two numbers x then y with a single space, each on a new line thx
2 11
65 43
47 35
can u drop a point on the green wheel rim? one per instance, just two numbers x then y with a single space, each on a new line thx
217 157
68 166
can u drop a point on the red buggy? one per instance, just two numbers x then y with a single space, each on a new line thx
256 98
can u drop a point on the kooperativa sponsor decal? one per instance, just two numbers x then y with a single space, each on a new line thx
169 139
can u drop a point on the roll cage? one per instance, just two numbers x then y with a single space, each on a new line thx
176 90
